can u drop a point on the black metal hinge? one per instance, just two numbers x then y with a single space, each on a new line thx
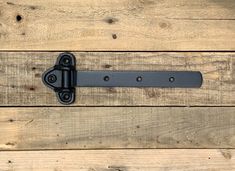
63 78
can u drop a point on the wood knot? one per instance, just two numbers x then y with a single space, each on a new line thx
111 20
112 90
163 25
227 154
107 66
11 120
151 93
10 144
37 75
32 88
117 168
114 36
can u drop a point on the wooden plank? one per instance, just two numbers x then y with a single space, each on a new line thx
117 25
122 127
21 84
119 160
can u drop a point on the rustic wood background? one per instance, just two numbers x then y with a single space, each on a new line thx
118 129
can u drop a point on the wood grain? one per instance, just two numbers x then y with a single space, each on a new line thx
21 83
115 25
120 127
119 160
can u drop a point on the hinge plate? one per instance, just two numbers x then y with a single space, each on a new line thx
62 78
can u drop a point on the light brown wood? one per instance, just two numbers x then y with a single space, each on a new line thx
119 160
68 136
21 83
117 25
122 127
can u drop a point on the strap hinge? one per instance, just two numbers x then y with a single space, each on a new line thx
63 78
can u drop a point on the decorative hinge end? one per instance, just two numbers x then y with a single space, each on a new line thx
62 78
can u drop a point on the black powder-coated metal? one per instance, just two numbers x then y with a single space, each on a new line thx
63 78
162 79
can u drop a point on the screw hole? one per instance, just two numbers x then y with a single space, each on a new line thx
66 60
66 96
18 18
114 36
139 79
52 78
106 78
171 79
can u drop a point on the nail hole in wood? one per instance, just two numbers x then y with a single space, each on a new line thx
114 36
11 120
18 18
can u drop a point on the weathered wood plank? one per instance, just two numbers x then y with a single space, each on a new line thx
119 160
21 84
117 25
122 127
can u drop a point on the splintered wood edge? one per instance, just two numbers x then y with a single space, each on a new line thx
119 127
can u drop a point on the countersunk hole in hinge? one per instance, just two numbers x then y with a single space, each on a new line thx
139 79
106 78
171 79
52 78
66 60
66 96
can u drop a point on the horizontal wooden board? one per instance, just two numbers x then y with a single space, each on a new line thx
117 25
120 127
119 160
21 83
